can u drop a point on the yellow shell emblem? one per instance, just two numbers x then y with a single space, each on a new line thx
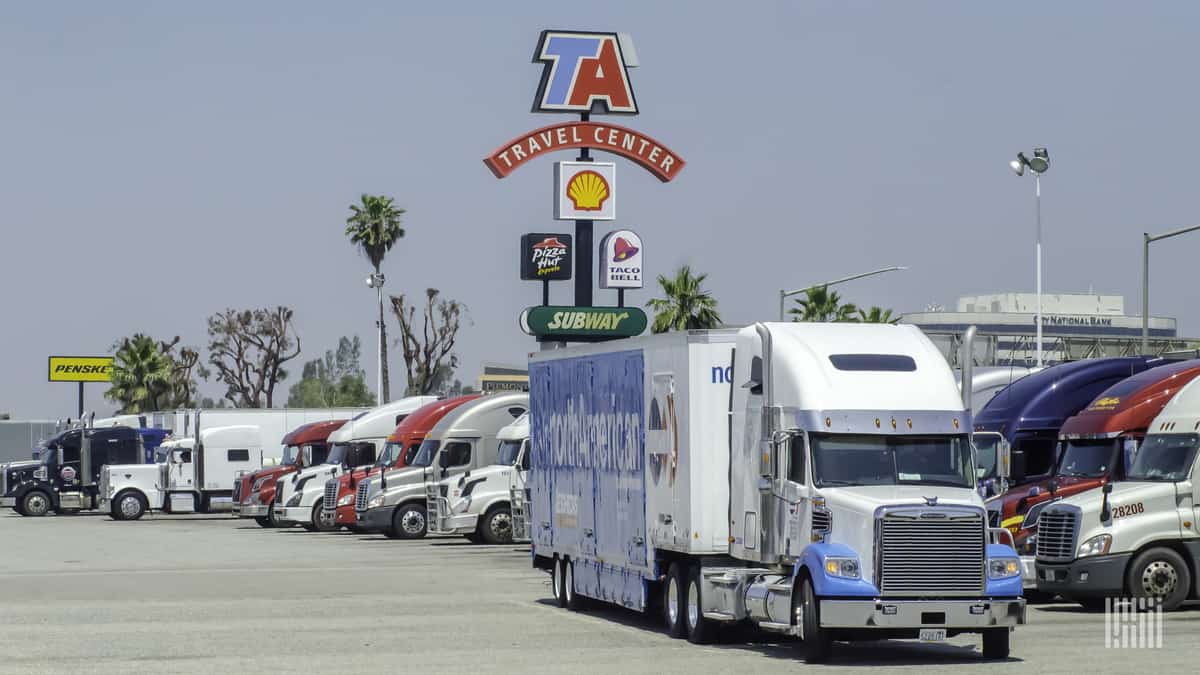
587 191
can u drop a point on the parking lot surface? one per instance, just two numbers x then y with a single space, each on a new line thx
215 594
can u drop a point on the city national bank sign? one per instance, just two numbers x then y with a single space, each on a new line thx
586 73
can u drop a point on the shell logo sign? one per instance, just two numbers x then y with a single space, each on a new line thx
585 191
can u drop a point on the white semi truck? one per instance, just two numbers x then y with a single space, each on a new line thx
478 504
193 475
464 440
1139 537
814 479
299 498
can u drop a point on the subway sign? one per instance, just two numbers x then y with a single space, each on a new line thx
81 368
597 323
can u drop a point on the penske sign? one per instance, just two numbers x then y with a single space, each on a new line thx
81 368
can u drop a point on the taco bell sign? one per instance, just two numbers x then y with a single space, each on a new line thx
621 260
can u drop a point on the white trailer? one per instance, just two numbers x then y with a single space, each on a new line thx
299 499
813 479
273 423
478 504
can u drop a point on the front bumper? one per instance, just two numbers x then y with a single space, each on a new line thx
295 514
377 519
254 511
962 615
1093 576
7 501
463 523
346 516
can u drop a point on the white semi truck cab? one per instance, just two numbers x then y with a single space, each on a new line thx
1138 537
478 504
814 479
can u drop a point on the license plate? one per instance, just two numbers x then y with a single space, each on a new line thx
933 635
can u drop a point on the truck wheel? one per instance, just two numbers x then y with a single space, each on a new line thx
673 601
408 522
263 521
1160 573
496 526
35 504
556 582
473 537
699 629
321 521
574 601
817 641
128 506
995 643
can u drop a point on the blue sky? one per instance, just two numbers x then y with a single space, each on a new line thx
162 161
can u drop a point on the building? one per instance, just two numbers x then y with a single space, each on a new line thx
499 377
1074 326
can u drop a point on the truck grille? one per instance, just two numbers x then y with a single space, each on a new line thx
1056 535
331 494
361 496
931 553
821 521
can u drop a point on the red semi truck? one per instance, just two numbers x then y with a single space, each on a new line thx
1095 447
305 446
401 447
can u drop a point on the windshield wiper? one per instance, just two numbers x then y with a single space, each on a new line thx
946 483
833 482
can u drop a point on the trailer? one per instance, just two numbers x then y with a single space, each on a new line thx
816 480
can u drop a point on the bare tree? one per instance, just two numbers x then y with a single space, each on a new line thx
428 341
248 349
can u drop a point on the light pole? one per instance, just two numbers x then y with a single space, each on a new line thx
376 281
1147 238
784 295
1037 166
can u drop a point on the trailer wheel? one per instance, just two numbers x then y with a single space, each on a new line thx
574 601
35 504
322 521
408 522
128 506
556 582
817 641
673 601
496 525
995 643
699 629
1160 573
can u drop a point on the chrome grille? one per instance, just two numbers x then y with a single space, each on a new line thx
821 521
1056 535
361 495
331 494
931 553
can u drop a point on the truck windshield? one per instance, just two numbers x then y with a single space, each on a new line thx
391 453
985 454
290 455
510 451
1086 458
1165 457
843 459
337 454
427 452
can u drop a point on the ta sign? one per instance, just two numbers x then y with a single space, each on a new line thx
585 72
621 260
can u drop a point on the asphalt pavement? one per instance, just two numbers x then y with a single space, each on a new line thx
185 594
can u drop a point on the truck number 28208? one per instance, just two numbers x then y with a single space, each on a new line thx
1126 510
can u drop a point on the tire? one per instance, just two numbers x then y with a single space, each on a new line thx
496 525
1160 573
205 505
572 600
556 583
322 522
408 522
673 601
700 631
995 643
35 504
263 521
818 643
129 506
473 537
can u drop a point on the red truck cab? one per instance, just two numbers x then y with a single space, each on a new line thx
304 446
401 447
1095 447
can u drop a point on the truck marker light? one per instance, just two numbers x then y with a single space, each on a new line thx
909 422
876 422
828 422
893 424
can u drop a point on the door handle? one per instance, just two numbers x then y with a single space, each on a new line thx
587 532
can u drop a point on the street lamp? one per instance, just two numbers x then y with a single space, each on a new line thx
1147 238
1037 166
376 281
784 295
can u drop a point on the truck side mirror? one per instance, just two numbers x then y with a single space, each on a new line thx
1003 460
1018 468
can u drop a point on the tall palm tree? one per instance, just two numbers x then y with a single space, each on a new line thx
822 304
876 315
374 226
686 305
141 375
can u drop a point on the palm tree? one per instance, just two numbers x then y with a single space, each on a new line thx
876 315
822 304
374 226
141 375
686 306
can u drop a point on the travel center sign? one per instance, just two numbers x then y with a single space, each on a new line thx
632 145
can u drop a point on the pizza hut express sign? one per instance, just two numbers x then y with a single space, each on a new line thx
546 257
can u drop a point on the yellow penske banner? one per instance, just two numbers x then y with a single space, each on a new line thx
81 368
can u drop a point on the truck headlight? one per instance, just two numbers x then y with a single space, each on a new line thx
345 500
40 473
1003 568
845 568
375 501
1097 545
295 500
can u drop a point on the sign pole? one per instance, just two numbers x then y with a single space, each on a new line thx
620 297
583 246
81 400
545 291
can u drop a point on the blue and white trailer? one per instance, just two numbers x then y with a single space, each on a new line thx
814 479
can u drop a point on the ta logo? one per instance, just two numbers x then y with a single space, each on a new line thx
585 72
